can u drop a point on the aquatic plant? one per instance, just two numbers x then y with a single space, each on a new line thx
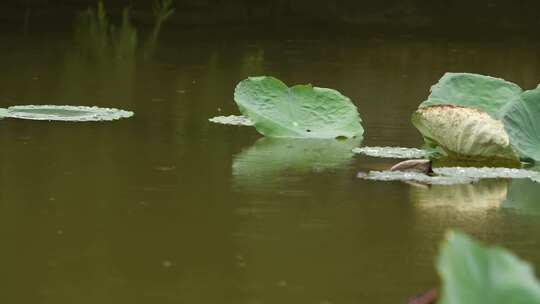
63 113
301 111
451 175
472 273
482 118
162 10
98 38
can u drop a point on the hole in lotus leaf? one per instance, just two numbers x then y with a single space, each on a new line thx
392 152
66 113
233 120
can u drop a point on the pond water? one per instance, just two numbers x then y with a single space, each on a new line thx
167 207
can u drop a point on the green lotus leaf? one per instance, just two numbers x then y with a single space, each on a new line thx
302 111
522 122
485 93
465 134
472 274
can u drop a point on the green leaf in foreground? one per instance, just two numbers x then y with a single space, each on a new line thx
465 133
473 274
302 111
485 93
522 122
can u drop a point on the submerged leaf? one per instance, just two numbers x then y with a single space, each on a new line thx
465 133
233 120
485 93
522 122
3 113
66 113
302 111
392 152
474 274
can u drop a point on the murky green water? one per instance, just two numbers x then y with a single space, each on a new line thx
167 207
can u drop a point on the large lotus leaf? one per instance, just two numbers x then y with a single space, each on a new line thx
473 274
522 122
485 93
302 111
465 133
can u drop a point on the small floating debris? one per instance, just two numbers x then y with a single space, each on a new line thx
392 152
416 177
232 120
64 113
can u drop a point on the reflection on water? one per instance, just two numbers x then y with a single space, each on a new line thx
523 197
272 162
483 196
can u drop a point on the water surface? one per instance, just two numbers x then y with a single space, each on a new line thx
167 207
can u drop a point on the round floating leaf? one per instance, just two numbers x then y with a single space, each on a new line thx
415 177
465 133
474 274
487 172
232 120
392 152
66 113
485 93
522 122
302 111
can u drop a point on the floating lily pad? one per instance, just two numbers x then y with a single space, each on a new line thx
233 120
485 93
472 273
450 175
415 177
65 113
465 133
392 152
302 111
486 172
